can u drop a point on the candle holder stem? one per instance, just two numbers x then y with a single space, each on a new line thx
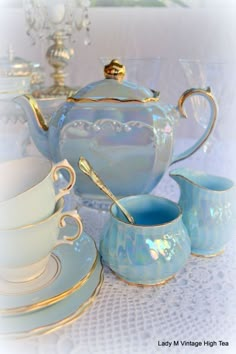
58 21
58 57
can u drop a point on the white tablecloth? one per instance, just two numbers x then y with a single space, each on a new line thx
198 305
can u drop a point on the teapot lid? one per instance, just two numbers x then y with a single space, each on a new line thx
114 89
11 66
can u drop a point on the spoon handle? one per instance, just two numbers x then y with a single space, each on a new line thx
87 169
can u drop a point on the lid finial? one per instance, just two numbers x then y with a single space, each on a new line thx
114 70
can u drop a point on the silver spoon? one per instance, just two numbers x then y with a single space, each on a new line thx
87 169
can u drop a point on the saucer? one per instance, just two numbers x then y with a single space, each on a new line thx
50 318
69 267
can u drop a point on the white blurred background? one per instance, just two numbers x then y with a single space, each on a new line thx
205 31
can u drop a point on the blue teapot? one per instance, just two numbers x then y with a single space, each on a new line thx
120 127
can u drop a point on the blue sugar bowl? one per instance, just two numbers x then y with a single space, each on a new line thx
151 251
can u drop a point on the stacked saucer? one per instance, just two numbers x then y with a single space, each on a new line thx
50 270
67 287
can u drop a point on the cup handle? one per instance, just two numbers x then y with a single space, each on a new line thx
213 106
62 223
66 166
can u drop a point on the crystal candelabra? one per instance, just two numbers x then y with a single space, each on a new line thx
57 21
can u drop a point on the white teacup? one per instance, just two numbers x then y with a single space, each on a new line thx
27 193
25 251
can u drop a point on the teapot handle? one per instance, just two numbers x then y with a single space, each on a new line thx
213 106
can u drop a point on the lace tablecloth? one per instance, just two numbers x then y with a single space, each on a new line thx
198 305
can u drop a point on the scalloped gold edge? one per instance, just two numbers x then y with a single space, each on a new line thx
52 300
112 100
57 325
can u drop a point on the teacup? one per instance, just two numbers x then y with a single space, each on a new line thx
25 251
27 193
152 250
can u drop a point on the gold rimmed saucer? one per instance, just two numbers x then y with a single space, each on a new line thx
49 275
51 318
79 311
57 282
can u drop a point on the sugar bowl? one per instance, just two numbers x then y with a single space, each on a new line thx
152 250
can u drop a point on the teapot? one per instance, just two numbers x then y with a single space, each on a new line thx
120 127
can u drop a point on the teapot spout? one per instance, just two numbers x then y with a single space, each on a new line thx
37 123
